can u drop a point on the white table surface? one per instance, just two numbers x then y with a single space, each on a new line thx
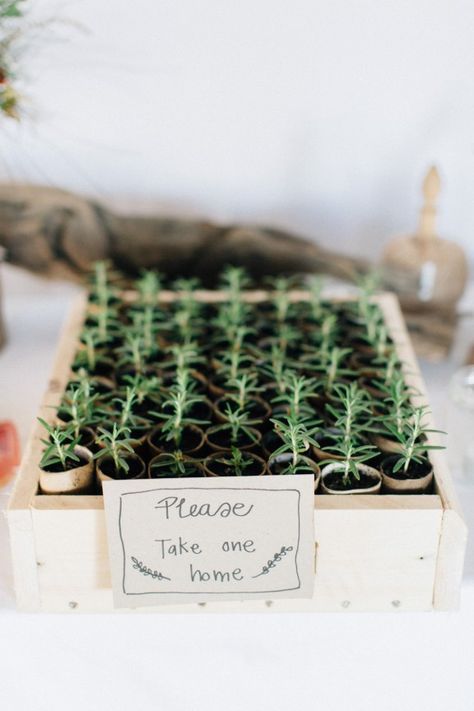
326 662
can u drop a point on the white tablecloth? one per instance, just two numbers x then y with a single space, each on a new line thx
325 662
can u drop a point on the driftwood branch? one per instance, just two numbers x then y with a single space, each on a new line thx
57 233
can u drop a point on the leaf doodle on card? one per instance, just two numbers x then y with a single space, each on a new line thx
144 570
274 561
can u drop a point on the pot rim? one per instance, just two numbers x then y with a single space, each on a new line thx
159 426
216 448
395 455
370 471
105 477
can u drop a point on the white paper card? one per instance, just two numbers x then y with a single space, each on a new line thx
196 540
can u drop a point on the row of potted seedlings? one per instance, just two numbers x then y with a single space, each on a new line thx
183 387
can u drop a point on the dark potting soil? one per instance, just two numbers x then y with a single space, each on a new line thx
139 432
376 461
279 468
416 470
219 468
221 439
271 441
103 369
163 472
325 443
334 481
98 386
372 385
199 381
363 363
87 438
135 468
63 415
190 441
57 468
200 411
255 408
144 408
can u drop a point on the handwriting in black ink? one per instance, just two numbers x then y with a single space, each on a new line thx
144 570
273 562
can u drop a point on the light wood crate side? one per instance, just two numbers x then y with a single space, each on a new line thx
26 484
450 563
380 558
23 553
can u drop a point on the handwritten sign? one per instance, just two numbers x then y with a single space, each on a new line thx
196 540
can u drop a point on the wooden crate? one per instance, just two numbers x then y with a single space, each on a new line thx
373 552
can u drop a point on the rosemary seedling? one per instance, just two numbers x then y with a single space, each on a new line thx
79 407
115 443
297 439
238 422
60 447
242 388
296 395
411 435
237 461
149 286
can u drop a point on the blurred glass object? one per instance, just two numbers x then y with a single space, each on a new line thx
461 424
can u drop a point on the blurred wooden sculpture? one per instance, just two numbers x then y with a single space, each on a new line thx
441 269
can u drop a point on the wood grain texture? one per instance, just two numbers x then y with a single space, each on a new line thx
367 559
23 549
450 561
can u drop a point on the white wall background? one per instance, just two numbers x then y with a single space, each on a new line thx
315 115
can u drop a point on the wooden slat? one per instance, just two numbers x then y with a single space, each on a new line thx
23 550
450 562
367 559
26 484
